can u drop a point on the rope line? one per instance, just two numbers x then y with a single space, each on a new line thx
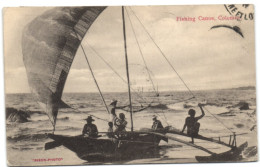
175 69
146 67
218 119
100 93
162 52
133 90
97 54
105 120
136 39
90 114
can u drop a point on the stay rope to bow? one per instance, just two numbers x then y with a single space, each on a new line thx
167 60
100 93
97 54
141 53
105 120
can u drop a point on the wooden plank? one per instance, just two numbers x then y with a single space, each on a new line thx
199 137
182 141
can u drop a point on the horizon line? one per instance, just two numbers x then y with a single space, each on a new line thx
163 91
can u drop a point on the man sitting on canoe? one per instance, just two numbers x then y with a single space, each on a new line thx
110 132
120 123
192 123
157 125
90 129
114 106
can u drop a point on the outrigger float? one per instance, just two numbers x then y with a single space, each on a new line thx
49 44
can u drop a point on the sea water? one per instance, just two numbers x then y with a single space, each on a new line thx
25 141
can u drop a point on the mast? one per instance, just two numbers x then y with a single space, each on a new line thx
127 71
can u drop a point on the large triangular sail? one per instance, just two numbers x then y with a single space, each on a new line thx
49 44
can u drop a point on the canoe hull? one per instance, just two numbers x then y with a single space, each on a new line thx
108 149
233 155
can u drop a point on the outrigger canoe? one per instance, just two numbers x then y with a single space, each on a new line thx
103 149
233 155
49 44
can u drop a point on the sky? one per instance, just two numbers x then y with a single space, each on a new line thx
204 58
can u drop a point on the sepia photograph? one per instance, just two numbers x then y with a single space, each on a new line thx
91 85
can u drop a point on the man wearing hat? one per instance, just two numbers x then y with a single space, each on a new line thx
156 123
90 129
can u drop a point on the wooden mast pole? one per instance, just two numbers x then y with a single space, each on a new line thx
127 71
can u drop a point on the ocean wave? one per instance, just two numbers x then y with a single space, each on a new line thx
25 112
27 137
242 105
14 115
26 148
85 105
239 125
37 112
217 104
187 105
230 113
64 118
68 128
71 111
250 152
220 103
160 106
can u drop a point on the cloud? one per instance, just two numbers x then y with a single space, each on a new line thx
16 80
204 58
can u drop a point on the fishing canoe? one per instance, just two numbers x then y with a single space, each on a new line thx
103 149
49 45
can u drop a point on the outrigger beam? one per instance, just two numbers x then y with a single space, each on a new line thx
184 142
203 138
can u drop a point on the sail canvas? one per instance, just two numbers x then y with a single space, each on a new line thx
130 84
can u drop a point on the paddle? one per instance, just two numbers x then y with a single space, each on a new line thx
51 145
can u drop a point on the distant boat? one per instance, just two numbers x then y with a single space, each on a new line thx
49 45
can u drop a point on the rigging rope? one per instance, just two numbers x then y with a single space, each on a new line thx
174 68
100 93
146 67
136 39
96 85
90 114
105 120
97 54
146 64
162 52
218 119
